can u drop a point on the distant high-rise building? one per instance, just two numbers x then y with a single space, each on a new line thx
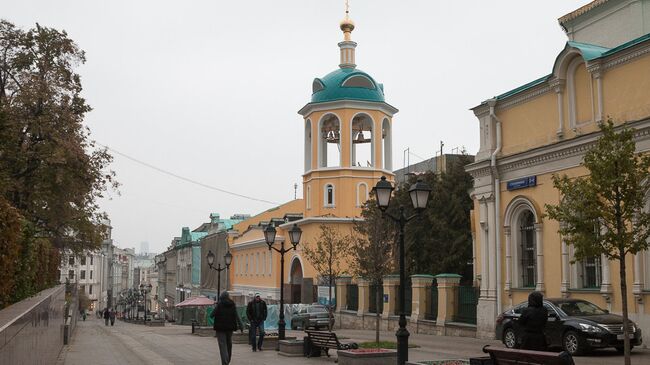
144 248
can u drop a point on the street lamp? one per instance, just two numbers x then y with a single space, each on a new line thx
228 259
419 193
144 289
294 236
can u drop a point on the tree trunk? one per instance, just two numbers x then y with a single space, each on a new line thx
377 315
626 330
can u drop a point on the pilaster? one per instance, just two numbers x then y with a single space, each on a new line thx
421 297
447 286
391 282
364 296
342 283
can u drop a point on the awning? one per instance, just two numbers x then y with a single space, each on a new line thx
196 302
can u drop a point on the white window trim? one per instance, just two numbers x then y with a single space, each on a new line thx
325 203
359 197
513 268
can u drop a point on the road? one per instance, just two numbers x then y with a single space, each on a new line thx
124 343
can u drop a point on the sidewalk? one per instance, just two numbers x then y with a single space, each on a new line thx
124 343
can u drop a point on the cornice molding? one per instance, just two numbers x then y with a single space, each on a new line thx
623 58
523 96
348 104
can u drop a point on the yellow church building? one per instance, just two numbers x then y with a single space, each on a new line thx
543 128
347 148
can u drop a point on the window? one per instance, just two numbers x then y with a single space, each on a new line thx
359 81
317 86
329 195
83 260
71 274
71 261
91 260
82 276
90 289
82 288
91 274
362 194
590 272
527 247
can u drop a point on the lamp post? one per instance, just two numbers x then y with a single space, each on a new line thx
294 236
227 259
144 289
419 193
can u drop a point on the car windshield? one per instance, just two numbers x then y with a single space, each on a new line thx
580 308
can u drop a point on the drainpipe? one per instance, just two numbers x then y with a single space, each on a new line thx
497 199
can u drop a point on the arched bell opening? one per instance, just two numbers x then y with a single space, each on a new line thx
329 142
362 141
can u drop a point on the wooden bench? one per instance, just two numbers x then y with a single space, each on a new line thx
506 356
327 340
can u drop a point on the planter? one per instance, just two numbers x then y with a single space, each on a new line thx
441 362
291 348
367 357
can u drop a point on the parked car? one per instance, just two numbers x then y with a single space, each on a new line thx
315 316
575 325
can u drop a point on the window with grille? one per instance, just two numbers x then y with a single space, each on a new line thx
591 274
528 248
82 275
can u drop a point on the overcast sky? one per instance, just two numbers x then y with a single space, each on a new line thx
209 90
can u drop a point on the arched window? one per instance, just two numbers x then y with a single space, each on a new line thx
359 81
308 145
579 92
329 141
329 192
527 247
362 141
386 135
362 193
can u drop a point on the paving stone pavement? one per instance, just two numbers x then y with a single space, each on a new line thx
125 343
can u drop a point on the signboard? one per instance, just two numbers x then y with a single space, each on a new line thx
524 182
324 293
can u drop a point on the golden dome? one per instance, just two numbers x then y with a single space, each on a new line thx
347 25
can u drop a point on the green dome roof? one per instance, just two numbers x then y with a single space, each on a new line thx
347 84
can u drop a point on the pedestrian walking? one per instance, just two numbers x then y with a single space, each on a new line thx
107 316
532 322
226 321
256 313
112 316
83 314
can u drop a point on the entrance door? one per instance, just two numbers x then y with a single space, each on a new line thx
296 281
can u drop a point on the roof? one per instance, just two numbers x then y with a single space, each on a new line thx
589 52
582 10
333 88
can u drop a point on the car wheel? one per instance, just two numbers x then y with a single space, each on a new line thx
620 349
510 338
573 343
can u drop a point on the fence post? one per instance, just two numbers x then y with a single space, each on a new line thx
447 284
364 296
390 289
420 285
342 283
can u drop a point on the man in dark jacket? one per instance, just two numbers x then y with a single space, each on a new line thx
256 313
107 315
532 321
226 321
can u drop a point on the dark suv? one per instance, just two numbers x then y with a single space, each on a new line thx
573 324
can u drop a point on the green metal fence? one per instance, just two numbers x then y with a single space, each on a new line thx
353 297
372 306
466 301
432 310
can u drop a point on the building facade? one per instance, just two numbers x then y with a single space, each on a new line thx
544 128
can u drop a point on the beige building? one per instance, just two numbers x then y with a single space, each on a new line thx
544 128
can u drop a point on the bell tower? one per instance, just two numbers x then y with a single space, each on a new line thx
348 136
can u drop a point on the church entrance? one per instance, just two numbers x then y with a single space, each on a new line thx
296 281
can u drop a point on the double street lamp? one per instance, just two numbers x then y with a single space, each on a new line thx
419 193
144 289
294 236
227 259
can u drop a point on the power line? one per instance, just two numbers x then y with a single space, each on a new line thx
186 179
